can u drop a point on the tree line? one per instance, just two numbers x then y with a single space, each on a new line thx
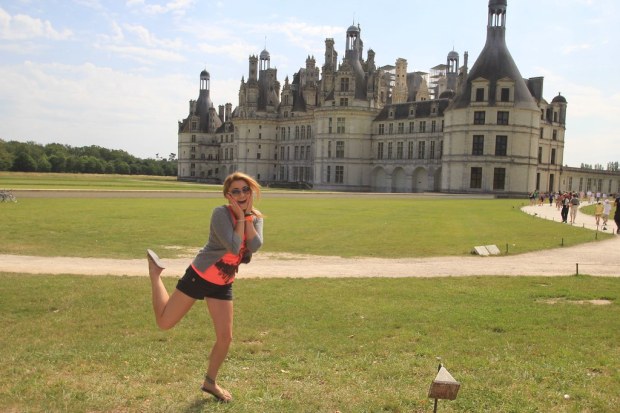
55 157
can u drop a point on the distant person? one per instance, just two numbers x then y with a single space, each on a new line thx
617 214
565 207
574 206
236 230
598 212
606 211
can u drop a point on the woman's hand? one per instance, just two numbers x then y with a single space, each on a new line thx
236 208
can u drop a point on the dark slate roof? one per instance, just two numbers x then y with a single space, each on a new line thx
422 109
494 63
559 99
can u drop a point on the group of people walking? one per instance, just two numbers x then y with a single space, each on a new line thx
568 204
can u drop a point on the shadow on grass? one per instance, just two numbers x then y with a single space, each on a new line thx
199 404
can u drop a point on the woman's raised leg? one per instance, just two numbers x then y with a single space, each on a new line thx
169 310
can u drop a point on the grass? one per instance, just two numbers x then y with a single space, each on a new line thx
66 181
343 225
516 344
74 344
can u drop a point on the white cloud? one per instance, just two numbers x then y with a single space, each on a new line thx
92 105
178 7
145 55
238 50
572 48
148 38
23 27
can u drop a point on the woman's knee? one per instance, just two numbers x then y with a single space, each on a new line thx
166 323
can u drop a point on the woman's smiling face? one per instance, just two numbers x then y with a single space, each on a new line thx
241 192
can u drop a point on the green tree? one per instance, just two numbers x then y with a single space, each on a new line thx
24 163
6 159
58 162
43 164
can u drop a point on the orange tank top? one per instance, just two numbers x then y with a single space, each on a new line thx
224 270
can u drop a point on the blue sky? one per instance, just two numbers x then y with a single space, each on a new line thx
120 74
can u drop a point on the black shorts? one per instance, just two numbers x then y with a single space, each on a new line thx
198 288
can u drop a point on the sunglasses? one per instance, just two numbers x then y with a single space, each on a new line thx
245 190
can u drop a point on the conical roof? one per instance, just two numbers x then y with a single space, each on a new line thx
493 64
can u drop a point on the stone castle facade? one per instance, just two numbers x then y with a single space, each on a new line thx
352 125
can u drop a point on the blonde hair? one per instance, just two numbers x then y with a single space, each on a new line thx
251 183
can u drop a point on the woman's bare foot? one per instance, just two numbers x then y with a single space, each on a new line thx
155 265
222 395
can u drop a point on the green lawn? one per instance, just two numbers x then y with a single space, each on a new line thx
516 344
345 225
75 344
42 181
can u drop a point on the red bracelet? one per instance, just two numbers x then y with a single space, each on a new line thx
249 218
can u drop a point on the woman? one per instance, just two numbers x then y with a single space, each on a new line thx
236 231
617 214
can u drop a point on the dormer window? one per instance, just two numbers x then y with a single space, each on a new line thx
505 95
480 88
344 84
505 91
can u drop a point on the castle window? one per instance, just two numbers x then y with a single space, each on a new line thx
553 156
344 84
344 101
194 125
329 128
480 94
499 178
399 150
391 128
479 117
339 178
555 135
381 129
423 126
303 132
339 149
340 125
539 154
389 153
401 127
193 138
380 150
477 148
329 149
475 178
410 150
421 149
431 155
433 126
501 145
502 117
411 125
328 174
505 95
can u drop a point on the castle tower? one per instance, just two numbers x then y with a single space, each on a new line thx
400 92
493 117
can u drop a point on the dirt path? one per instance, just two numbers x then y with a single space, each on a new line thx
596 258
